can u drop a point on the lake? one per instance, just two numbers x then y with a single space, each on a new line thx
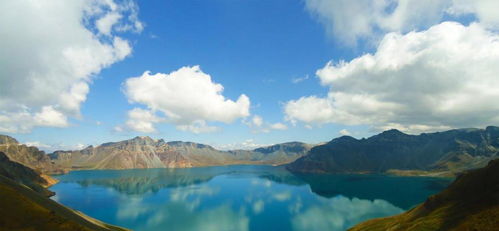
238 198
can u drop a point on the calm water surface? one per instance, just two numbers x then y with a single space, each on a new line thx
238 198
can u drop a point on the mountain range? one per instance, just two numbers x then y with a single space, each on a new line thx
394 152
145 152
468 204
440 153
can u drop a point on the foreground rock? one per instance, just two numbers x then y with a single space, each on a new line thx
437 154
471 202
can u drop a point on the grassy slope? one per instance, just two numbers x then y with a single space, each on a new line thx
471 202
24 209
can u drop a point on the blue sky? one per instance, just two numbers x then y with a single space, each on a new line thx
269 51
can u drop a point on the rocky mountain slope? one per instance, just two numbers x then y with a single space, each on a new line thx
25 204
144 152
28 156
471 202
445 153
25 176
25 209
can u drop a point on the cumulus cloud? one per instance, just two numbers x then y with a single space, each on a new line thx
484 10
422 81
142 120
258 125
105 23
345 132
349 21
187 98
45 73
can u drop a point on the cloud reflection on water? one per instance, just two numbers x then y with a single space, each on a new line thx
225 199
340 213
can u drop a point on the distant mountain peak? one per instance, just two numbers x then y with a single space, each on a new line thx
7 140
342 139
393 131
142 138
390 134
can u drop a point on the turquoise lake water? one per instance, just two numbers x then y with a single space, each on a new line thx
238 198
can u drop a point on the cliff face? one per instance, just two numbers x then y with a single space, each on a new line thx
443 152
28 156
471 202
144 152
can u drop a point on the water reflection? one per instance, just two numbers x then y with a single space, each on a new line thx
182 216
236 198
341 213
404 192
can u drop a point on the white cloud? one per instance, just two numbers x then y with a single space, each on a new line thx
53 147
37 144
198 126
248 144
349 20
484 10
278 126
118 128
105 23
421 81
257 121
344 132
53 53
309 109
258 125
300 79
141 120
187 97
48 116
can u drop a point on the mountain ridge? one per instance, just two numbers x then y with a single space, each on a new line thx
145 152
28 155
392 151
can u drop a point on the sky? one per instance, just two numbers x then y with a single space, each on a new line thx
244 73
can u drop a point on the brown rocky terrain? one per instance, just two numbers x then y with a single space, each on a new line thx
145 152
28 156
